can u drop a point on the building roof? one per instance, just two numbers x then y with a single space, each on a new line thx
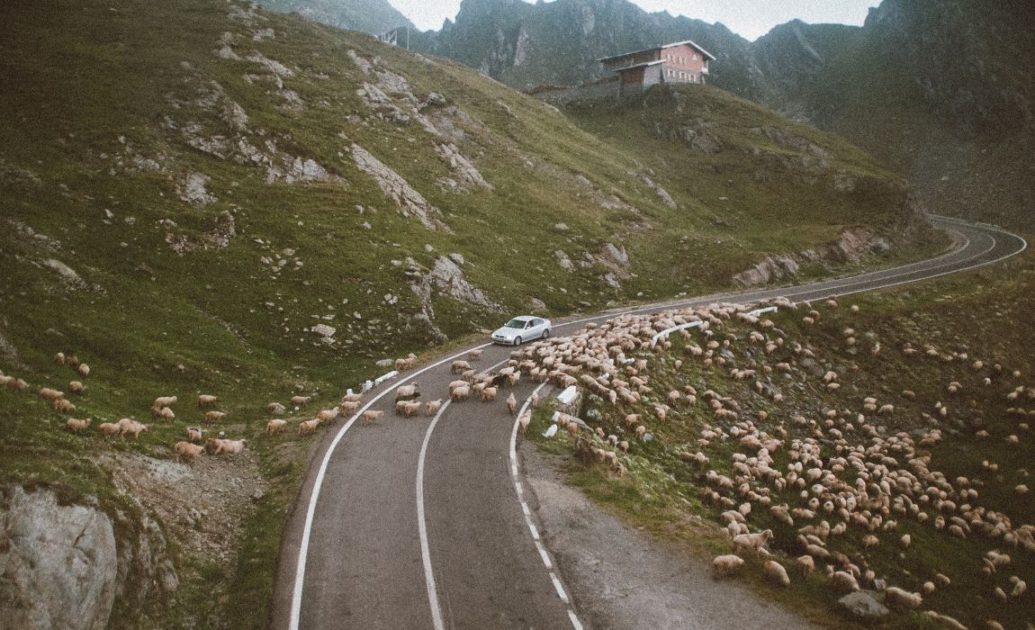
662 47
638 65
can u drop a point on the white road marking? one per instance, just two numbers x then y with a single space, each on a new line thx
425 548
303 552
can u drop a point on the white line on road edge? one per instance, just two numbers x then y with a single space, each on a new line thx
303 552
558 586
425 548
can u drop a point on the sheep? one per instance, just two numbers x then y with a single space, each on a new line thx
188 450
164 401
231 447
165 413
723 566
275 409
327 415
132 427
17 384
511 404
275 425
59 358
108 428
844 582
349 407
207 400
408 408
806 565
405 392
76 387
62 405
1019 586
300 401
461 393
524 420
488 394
84 370
459 367
306 427
406 363
50 394
75 425
895 597
753 541
431 407
774 572
370 415
214 416
195 434
474 355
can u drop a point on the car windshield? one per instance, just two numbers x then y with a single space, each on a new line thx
515 323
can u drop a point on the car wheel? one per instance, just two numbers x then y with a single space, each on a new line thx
546 333
517 341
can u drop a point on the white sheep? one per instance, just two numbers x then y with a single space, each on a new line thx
75 425
306 427
188 450
275 425
164 401
895 597
431 407
207 400
723 566
774 572
195 434
370 415
108 428
76 387
84 370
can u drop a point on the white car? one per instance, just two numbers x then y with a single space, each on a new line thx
522 329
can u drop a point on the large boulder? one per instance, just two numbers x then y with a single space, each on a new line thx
864 605
58 563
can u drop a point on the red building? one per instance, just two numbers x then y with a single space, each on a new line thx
679 62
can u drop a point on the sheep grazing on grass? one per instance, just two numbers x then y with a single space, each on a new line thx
406 392
17 384
370 415
775 573
806 565
214 416
232 447
195 434
275 408
108 428
164 401
896 597
300 401
511 404
84 370
275 425
844 582
163 413
75 425
207 400
62 405
308 426
188 450
59 358
724 566
755 542
50 394
132 427
76 387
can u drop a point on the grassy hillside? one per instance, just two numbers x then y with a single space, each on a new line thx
198 197
955 344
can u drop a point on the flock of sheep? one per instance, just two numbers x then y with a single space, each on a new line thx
834 481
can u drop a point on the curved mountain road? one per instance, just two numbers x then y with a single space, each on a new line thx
423 522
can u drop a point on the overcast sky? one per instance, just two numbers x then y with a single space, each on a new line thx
748 18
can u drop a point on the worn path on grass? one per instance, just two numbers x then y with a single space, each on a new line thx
417 522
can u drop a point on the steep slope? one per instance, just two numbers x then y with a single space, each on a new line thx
200 197
369 16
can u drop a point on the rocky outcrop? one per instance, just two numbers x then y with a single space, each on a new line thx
851 246
465 175
58 563
410 202
222 230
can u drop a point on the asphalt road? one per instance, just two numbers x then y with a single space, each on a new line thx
426 523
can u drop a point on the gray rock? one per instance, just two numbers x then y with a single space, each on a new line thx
863 604
410 202
58 562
